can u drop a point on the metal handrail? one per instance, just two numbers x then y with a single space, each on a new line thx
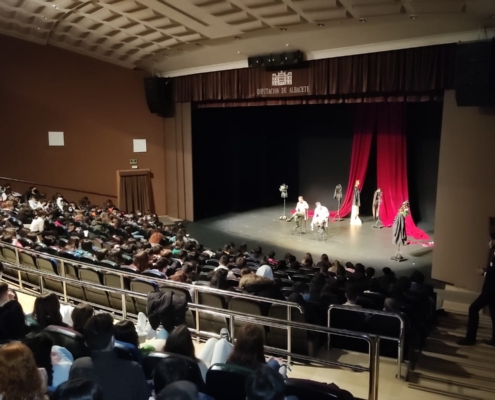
400 340
373 341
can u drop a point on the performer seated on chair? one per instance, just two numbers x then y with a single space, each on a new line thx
301 211
320 217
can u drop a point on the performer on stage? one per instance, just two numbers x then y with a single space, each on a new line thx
356 203
302 208
377 202
320 217
399 230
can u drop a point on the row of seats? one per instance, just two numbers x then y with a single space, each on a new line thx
302 342
223 381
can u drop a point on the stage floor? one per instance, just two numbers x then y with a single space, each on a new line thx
371 247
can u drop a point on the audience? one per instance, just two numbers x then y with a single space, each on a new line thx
119 379
139 242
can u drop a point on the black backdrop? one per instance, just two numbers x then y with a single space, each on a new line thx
242 155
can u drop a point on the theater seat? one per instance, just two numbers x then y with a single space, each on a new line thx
74 290
209 322
93 295
144 287
213 262
306 389
127 351
113 281
249 307
278 336
227 382
151 361
68 338
50 266
27 260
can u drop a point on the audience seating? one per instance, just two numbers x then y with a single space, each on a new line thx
93 294
227 382
115 299
74 291
144 287
209 322
249 307
277 337
68 338
51 267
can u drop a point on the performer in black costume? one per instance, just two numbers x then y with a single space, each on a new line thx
399 229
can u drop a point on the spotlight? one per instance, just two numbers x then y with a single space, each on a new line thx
363 20
413 17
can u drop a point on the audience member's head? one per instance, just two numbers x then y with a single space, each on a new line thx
351 293
19 376
99 332
78 389
248 349
170 370
80 315
47 311
181 390
141 261
180 342
370 272
125 331
265 384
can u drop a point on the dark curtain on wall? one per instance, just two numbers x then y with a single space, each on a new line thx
135 193
419 74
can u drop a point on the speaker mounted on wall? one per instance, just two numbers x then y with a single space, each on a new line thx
475 73
160 96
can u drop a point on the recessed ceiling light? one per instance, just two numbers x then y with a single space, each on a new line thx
53 5
283 29
237 38
363 20
238 52
197 44
179 49
413 16
321 25
44 17
37 27
287 45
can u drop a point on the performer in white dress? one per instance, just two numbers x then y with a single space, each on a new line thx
320 217
302 208
356 203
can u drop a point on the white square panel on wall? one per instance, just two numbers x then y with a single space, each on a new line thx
139 145
56 139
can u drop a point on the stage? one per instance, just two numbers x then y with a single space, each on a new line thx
371 247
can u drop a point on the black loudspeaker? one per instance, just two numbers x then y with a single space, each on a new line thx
160 96
277 59
475 73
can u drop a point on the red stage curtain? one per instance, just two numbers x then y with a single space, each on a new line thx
361 148
392 164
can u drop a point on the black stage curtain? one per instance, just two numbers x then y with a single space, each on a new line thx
412 75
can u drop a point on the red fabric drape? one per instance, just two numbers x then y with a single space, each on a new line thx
361 148
392 164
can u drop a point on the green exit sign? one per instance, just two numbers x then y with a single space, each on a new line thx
133 161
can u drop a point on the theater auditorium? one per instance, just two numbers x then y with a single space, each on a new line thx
247 199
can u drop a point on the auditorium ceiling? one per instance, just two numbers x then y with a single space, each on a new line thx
176 37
